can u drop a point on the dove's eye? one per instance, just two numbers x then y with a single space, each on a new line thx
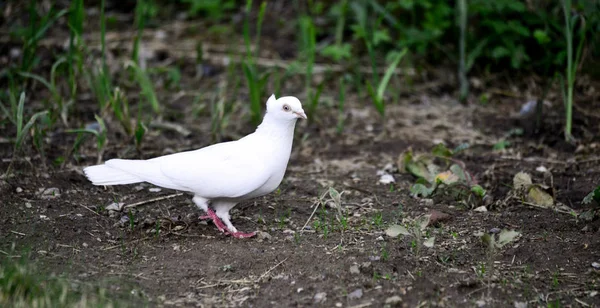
286 108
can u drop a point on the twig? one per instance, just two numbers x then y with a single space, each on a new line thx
87 208
152 200
272 268
171 126
131 242
582 302
19 233
535 159
4 252
546 208
590 160
311 215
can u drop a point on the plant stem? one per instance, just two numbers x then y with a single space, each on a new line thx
462 70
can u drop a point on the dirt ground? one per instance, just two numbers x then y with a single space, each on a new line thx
158 250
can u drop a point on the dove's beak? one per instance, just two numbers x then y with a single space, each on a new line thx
300 114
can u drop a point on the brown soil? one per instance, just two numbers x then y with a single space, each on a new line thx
162 251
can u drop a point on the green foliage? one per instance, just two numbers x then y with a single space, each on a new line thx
99 133
377 97
594 195
18 119
33 32
22 284
256 80
416 230
440 173
213 9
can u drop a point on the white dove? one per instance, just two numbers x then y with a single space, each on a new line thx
220 175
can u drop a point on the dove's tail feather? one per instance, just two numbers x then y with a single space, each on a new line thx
129 171
105 175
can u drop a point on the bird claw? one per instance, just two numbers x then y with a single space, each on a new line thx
220 225
223 228
242 234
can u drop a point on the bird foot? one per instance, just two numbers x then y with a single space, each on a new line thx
220 225
243 235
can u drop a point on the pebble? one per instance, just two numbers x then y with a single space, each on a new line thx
154 189
520 304
28 205
481 209
114 206
495 230
261 235
19 190
354 269
386 179
320 297
393 300
356 294
50 193
596 265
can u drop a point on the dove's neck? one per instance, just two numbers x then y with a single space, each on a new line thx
276 129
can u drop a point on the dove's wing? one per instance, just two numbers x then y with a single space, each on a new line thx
224 170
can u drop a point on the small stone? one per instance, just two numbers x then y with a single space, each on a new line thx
19 190
356 294
154 189
320 297
374 258
299 290
386 179
124 220
480 303
520 304
51 193
261 235
338 304
481 209
289 231
178 228
495 230
393 300
84 245
28 205
354 269
390 168
427 202
436 217
379 239
44 217
114 206
596 265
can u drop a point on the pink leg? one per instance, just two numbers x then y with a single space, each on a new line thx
242 234
220 225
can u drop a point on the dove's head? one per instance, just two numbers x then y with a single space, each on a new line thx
285 108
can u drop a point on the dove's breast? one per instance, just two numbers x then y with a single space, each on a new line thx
277 155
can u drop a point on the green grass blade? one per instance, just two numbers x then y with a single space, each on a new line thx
20 110
254 92
27 127
259 22
41 80
146 85
388 74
